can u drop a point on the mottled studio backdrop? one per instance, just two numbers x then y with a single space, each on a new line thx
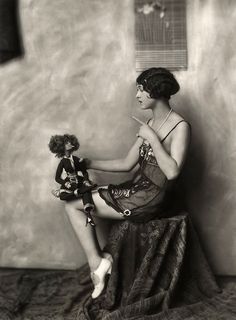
78 76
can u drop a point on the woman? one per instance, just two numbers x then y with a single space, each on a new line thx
160 151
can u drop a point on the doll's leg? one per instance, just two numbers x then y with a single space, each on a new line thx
88 183
66 196
88 207
88 201
83 188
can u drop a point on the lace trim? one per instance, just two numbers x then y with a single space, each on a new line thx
141 184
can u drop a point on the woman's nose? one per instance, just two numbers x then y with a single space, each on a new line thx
138 94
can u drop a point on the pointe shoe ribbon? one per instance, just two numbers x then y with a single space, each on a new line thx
99 275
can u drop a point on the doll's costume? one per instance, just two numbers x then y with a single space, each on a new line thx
79 185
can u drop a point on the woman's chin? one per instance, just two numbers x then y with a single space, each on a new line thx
141 105
144 107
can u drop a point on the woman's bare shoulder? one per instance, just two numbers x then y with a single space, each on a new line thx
180 122
181 135
179 130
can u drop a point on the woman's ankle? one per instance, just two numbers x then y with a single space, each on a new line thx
94 263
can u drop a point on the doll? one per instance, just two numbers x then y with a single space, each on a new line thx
76 184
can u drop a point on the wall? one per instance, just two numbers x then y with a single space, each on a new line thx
78 76
208 100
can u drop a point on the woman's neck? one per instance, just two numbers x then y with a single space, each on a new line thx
160 110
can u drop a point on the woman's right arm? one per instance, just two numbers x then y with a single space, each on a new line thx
124 164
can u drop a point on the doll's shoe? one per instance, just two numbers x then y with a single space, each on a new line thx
99 276
108 256
56 193
89 220
88 208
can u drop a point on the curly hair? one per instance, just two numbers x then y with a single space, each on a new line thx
158 82
57 144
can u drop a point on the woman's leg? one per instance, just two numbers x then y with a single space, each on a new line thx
87 235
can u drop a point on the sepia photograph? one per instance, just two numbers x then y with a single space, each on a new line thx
117 160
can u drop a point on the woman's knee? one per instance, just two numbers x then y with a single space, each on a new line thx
71 206
75 216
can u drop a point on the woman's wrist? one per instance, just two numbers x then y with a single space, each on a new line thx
154 140
94 164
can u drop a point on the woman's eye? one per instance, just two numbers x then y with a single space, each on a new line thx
140 89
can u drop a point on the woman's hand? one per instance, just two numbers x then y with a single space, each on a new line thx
147 133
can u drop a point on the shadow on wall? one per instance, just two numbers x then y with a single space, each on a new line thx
196 178
11 44
191 180
192 177
200 191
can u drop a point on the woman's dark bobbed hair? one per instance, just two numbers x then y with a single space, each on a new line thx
57 144
158 82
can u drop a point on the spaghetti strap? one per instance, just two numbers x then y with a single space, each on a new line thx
175 127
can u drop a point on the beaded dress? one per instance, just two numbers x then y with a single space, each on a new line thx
145 196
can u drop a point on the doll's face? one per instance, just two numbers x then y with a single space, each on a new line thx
68 146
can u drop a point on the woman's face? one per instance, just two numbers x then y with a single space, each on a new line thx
144 98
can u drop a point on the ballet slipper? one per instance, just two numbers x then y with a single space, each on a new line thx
99 276
107 256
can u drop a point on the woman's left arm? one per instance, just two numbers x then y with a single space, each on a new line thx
171 164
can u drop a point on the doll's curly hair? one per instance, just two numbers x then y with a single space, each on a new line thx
158 82
57 144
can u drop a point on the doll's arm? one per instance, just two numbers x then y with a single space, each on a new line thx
81 166
59 173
